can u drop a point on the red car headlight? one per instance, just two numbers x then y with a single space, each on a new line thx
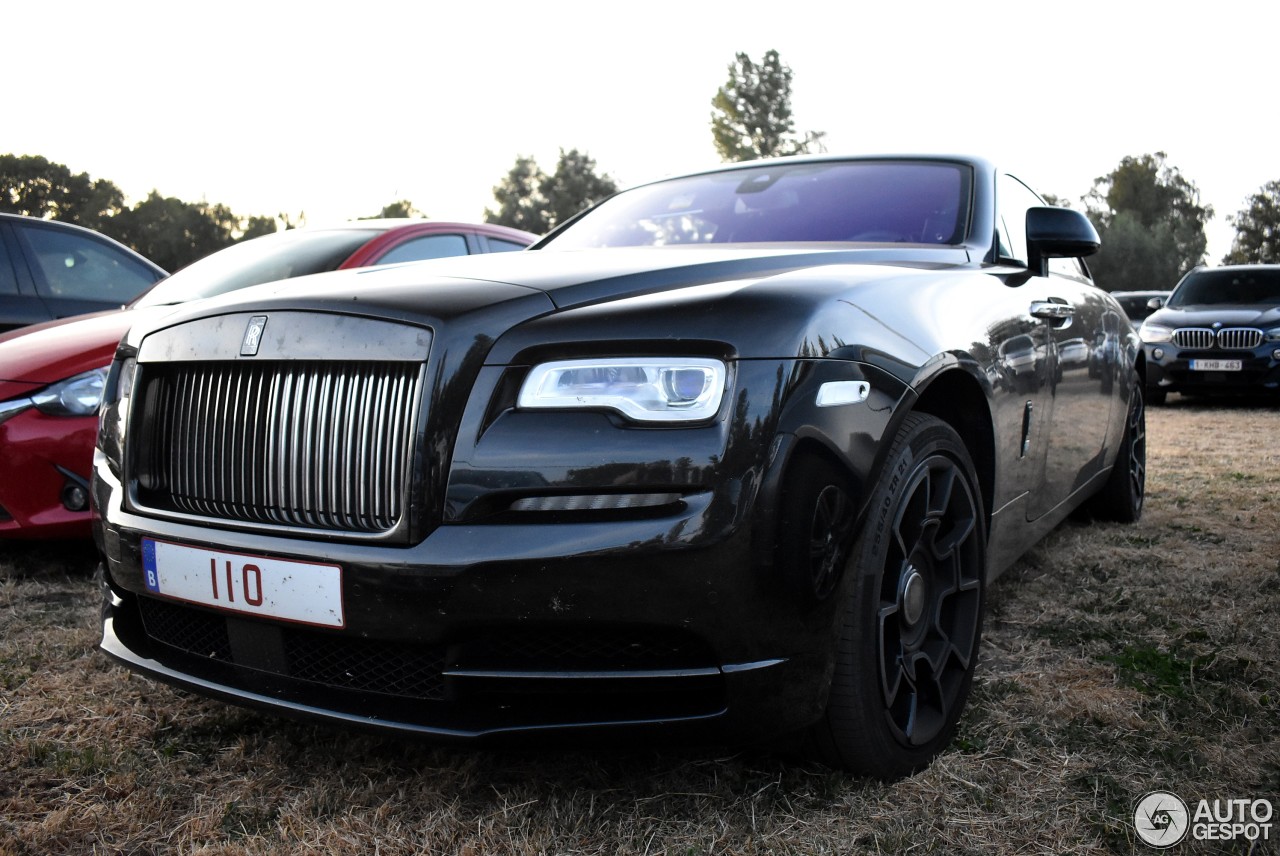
76 396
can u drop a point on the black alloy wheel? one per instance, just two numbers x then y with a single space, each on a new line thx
913 613
1122 497
832 521
815 527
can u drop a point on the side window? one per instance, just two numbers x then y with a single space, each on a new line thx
1014 198
426 247
1067 267
8 279
497 245
81 268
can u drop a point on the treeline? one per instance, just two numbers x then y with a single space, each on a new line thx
1149 215
1152 225
165 229
174 233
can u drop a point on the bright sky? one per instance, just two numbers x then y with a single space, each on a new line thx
337 109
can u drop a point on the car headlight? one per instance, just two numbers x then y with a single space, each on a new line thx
646 389
1273 335
111 419
75 396
10 409
1154 334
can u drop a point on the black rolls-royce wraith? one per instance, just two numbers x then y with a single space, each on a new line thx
736 450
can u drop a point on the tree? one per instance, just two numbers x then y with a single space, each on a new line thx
256 227
395 210
519 198
1138 257
1257 239
752 115
574 185
37 187
170 232
173 233
530 199
290 221
1151 223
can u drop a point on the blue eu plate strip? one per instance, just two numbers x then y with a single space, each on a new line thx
149 565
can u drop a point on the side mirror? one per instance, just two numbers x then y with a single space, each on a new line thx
1058 233
1155 303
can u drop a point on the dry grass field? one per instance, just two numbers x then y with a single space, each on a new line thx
1117 660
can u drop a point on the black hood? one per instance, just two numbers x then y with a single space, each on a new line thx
1228 315
447 287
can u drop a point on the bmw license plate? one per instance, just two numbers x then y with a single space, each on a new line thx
304 592
1217 365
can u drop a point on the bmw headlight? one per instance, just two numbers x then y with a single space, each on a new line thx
1154 334
75 396
1273 335
646 389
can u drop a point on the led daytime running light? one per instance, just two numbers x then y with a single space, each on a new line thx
646 389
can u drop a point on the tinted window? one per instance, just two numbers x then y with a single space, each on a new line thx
497 245
279 256
8 281
426 247
1243 287
80 267
865 201
1135 305
1014 200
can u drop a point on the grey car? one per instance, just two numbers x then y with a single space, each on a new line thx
1219 333
54 270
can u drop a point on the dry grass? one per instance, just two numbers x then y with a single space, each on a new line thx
1118 660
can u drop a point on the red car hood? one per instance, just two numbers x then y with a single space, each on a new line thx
32 357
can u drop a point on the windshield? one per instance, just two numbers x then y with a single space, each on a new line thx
1239 286
902 201
279 256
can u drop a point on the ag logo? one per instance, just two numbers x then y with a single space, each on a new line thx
1161 819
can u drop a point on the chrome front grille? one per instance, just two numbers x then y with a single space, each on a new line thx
1197 338
305 443
1239 338
1229 338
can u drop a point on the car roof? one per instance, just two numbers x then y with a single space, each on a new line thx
384 224
42 223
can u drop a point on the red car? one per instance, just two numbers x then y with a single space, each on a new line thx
51 374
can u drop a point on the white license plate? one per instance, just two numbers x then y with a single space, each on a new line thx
1217 365
254 585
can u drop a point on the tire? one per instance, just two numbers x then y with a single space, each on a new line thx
912 617
1156 396
1122 497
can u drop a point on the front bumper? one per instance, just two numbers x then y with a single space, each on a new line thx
1169 369
484 630
44 467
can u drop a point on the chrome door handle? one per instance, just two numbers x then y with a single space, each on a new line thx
1051 310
